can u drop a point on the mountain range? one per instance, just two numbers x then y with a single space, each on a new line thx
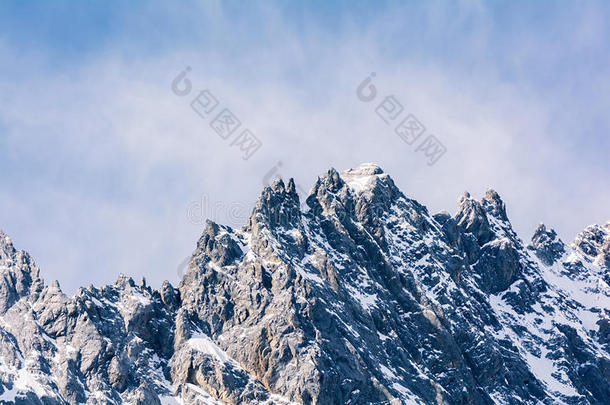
358 296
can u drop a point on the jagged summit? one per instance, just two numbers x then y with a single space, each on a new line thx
124 281
363 176
278 204
594 243
363 170
547 245
361 298
497 206
6 246
4 238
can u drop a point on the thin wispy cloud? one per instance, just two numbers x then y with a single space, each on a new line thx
100 160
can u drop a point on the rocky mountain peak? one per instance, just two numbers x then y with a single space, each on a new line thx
328 195
55 288
330 181
547 245
19 275
291 187
365 169
366 178
7 250
217 244
594 243
124 282
278 205
278 186
463 199
494 204
373 190
471 218
5 239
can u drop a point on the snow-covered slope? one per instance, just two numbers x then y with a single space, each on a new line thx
363 297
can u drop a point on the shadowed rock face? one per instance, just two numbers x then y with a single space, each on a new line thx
363 297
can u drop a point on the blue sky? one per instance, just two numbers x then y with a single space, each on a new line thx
101 163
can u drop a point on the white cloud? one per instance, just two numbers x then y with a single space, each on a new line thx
107 159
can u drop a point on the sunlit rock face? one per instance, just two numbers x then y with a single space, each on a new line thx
363 296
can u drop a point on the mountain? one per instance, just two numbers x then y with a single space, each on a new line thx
363 297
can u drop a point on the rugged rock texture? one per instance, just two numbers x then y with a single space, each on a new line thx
363 297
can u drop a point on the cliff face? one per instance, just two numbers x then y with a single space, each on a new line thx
363 297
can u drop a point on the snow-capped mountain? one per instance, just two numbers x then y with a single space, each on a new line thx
364 297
